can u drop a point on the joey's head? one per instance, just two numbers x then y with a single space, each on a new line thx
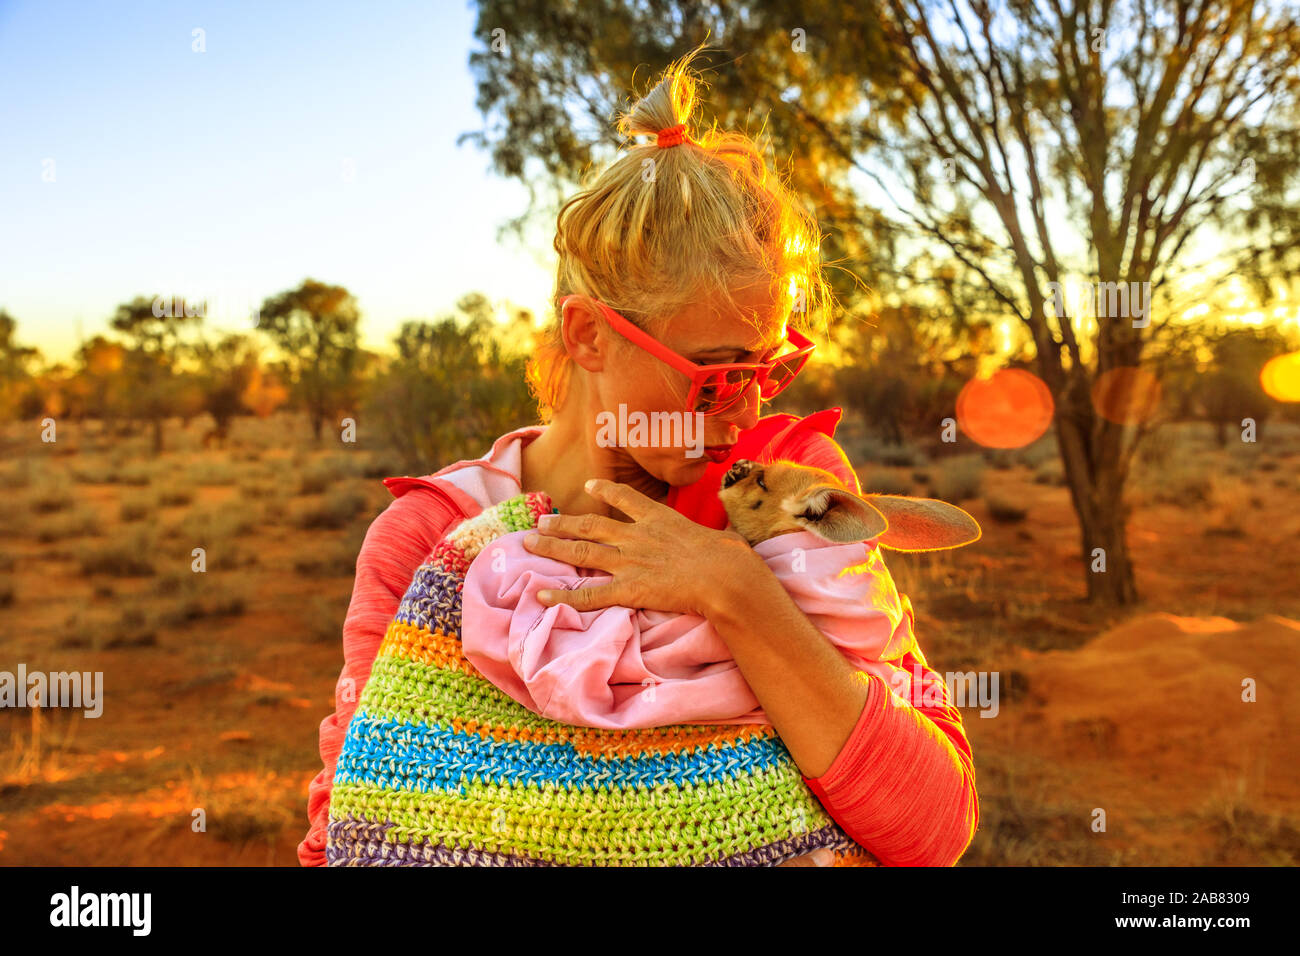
765 500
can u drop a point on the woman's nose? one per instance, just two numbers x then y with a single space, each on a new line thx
745 414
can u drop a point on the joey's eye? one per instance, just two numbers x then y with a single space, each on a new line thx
759 480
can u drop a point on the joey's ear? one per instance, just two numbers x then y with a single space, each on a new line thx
830 512
924 524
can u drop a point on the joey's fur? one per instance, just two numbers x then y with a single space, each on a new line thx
766 500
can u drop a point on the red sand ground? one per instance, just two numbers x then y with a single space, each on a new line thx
1144 721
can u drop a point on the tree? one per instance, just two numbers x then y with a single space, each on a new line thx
455 385
1025 147
315 328
1092 145
100 385
154 330
1230 389
227 373
15 365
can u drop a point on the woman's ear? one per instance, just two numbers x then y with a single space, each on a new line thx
582 337
830 512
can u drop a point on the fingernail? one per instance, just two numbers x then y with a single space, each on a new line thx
823 857
545 521
589 484
544 597
530 539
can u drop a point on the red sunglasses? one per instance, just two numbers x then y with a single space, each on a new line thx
716 388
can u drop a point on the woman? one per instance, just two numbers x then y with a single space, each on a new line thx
682 255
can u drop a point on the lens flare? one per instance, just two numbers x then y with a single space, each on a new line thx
1009 409
1281 377
1126 395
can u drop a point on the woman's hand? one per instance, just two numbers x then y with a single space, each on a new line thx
660 559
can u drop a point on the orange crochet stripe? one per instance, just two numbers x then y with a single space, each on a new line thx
433 648
437 649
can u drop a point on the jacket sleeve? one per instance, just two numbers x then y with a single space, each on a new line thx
398 540
903 784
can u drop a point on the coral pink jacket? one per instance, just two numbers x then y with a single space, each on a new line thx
903 785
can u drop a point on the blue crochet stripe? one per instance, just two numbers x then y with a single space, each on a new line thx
401 756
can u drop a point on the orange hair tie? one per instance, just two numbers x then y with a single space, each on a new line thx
672 136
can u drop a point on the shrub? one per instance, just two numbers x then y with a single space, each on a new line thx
1181 481
1041 451
210 473
137 506
54 494
131 556
17 475
175 495
89 475
899 456
135 473
324 619
340 563
335 510
1004 510
134 628
1050 472
206 527
381 465
79 522
958 478
325 474
999 459
201 596
887 483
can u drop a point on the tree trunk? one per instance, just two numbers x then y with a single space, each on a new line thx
157 435
1105 533
1097 488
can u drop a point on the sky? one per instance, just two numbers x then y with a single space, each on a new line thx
298 140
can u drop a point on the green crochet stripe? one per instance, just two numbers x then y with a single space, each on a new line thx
514 513
596 828
416 693
412 692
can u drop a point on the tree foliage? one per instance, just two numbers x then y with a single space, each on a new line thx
315 329
977 158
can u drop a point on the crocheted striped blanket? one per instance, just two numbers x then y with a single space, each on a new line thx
440 768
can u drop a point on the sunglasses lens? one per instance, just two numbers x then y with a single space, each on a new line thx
720 392
782 374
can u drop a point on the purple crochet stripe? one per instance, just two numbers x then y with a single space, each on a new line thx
366 846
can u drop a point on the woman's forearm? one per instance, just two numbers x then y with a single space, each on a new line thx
899 779
810 693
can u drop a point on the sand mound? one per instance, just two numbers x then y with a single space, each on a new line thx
1161 698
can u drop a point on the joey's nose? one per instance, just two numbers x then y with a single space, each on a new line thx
737 471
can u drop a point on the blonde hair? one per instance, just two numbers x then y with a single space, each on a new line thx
708 220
